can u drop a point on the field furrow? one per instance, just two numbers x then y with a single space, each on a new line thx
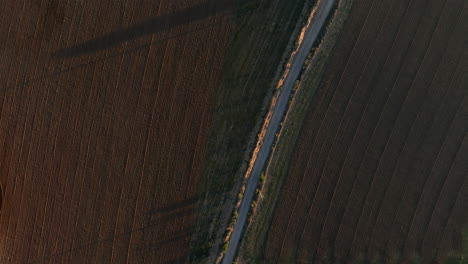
371 175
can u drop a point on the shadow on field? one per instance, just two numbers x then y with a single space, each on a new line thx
148 230
176 206
176 210
151 26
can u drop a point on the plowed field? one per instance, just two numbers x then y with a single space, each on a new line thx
380 170
105 113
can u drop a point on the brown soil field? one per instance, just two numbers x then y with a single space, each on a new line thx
379 172
105 111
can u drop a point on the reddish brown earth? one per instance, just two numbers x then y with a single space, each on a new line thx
380 169
105 112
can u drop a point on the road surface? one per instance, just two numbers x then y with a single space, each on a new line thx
318 22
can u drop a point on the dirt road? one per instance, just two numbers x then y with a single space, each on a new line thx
318 21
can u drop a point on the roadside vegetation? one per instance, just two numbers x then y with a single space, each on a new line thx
252 247
460 257
261 34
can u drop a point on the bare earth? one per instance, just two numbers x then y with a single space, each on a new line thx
105 110
380 169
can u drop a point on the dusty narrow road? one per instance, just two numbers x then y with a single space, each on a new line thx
311 33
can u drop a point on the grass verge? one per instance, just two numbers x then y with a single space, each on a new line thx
462 256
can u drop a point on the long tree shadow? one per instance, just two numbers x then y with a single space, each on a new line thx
184 233
182 205
151 26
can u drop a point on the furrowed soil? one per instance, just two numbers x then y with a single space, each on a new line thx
379 171
105 112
